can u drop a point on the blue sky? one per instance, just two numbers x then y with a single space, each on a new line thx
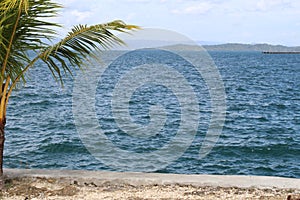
243 21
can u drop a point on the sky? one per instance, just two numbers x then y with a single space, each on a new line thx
212 21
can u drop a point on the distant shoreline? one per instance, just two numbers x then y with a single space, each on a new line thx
235 47
174 46
281 52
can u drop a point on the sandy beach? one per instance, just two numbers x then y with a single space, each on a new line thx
42 188
60 184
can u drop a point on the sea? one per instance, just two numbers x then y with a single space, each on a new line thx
260 134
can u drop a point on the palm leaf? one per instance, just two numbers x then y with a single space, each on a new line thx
81 44
22 30
34 33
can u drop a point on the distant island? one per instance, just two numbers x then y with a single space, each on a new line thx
235 47
175 46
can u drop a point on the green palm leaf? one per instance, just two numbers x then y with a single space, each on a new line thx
81 44
24 26
23 30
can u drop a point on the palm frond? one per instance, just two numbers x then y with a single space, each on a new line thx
23 29
6 5
80 44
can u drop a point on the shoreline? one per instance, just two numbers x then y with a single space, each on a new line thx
139 178
82 184
281 52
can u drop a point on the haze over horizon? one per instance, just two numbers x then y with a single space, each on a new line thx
209 21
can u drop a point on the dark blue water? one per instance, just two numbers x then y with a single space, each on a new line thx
261 135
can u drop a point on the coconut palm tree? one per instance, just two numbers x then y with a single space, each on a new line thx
25 28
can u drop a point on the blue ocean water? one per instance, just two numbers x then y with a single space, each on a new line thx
261 135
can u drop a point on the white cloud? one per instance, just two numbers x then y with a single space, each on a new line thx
265 5
81 16
199 8
138 1
213 20
130 16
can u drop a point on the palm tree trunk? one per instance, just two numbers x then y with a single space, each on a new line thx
2 139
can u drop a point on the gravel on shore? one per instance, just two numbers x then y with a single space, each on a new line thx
53 188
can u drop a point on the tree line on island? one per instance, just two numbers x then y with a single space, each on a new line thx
235 47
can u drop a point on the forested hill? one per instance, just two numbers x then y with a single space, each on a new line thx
235 47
